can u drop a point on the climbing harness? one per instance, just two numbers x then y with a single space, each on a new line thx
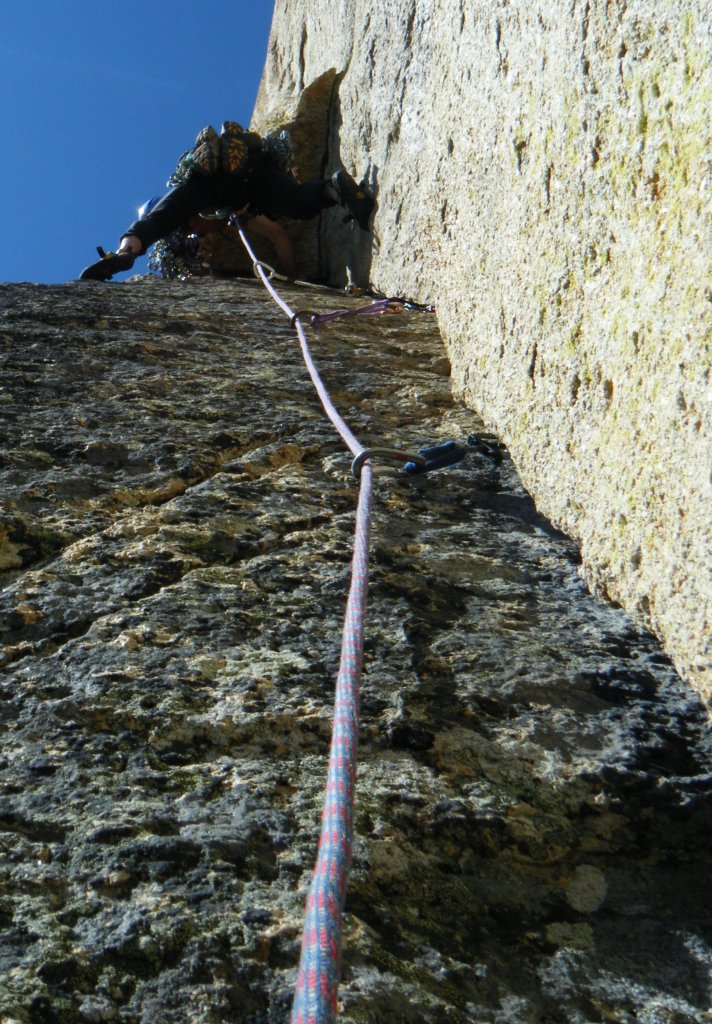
315 994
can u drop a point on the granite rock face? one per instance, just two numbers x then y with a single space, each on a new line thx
543 176
534 797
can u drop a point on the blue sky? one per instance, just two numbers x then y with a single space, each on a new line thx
99 99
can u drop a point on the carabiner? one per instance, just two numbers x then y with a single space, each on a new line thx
396 454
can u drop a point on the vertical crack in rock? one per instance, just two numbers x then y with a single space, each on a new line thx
534 800
301 59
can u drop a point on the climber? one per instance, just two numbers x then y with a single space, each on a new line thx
233 171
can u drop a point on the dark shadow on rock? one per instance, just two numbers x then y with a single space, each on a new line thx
599 853
345 250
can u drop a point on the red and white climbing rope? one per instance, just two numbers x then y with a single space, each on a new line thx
316 990
315 995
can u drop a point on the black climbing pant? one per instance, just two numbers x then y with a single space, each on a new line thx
264 187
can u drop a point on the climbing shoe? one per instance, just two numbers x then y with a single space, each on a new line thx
110 263
355 198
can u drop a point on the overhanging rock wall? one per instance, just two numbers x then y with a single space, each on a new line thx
543 176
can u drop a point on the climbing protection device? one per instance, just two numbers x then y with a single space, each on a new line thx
315 995
394 454
319 319
436 457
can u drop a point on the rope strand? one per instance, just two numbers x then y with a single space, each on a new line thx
315 995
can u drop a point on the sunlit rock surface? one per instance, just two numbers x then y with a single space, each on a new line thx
534 798
542 171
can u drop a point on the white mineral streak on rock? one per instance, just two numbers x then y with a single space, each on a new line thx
542 173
